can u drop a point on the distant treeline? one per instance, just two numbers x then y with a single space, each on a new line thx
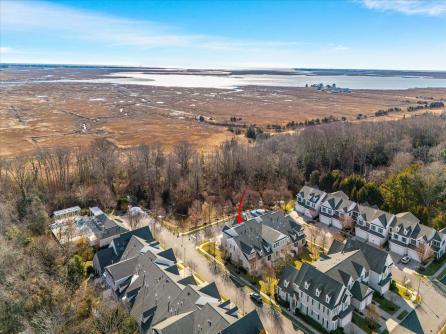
272 168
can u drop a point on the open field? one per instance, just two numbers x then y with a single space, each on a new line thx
35 115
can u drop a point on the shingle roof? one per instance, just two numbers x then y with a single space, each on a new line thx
122 269
344 265
311 194
258 233
360 291
369 213
121 242
321 281
249 324
406 221
105 257
376 257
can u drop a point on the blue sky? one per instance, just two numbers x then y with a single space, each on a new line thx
382 34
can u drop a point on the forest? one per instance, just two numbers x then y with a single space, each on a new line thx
396 165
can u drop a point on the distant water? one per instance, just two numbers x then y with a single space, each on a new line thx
291 80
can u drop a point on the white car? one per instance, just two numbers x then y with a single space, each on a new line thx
405 259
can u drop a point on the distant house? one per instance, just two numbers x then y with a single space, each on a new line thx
308 201
409 237
373 225
72 212
261 240
337 210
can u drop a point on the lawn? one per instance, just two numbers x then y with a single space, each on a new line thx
363 324
433 267
385 304
304 256
403 292
264 287
402 315
211 247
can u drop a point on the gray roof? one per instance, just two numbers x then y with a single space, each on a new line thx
344 265
368 214
202 320
311 194
257 234
249 324
319 280
407 221
105 257
376 257
122 269
360 291
121 242
339 201
289 274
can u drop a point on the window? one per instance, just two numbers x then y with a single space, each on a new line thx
380 230
373 227
413 241
404 239
269 257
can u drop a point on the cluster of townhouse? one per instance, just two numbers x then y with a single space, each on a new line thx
70 225
329 290
403 231
162 298
261 239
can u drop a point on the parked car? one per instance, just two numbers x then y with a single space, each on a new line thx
405 259
255 297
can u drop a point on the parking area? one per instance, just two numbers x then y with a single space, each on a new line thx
411 266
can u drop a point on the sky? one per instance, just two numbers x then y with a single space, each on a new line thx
376 34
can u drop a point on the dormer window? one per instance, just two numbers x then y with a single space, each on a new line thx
286 283
398 228
318 292
327 298
405 231
307 285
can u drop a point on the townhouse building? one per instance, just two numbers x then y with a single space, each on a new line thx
317 295
330 289
261 240
309 200
404 232
409 237
373 225
337 210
